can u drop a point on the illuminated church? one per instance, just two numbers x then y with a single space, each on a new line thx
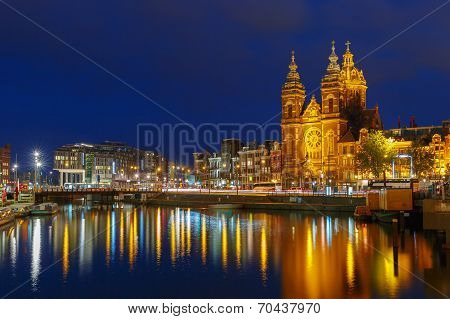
317 138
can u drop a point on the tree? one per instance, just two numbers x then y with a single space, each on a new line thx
422 158
376 154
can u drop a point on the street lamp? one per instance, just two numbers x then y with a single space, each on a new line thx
237 179
37 173
15 172
37 165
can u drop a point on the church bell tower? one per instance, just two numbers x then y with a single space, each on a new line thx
292 101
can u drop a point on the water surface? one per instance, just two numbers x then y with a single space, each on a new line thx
125 251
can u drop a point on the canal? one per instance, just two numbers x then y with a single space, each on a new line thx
126 251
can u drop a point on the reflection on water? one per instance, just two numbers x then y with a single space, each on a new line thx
133 251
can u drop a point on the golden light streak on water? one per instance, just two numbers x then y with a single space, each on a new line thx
350 263
136 234
309 249
250 236
172 239
121 235
204 248
238 243
65 261
183 233
263 255
158 236
224 231
108 238
132 239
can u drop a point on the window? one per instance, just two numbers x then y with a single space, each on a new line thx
330 104
330 143
344 150
289 111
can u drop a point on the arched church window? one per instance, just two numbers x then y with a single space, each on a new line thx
289 111
330 104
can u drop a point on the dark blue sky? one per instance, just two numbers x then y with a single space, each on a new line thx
205 61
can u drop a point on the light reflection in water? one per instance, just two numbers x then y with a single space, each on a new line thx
350 265
108 239
82 244
224 231
238 243
65 260
264 254
13 250
122 235
303 256
113 235
204 248
158 236
172 238
36 253
188 226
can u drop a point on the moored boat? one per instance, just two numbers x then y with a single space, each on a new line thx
226 206
363 213
45 209
386 216
6 216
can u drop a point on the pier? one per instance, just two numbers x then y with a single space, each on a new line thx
436 216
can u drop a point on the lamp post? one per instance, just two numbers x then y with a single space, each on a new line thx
37 165
237 181
137 179
15 167
224 166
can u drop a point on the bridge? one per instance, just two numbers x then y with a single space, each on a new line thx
94 194
303 200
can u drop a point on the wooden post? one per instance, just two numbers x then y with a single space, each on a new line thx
395 232
395 253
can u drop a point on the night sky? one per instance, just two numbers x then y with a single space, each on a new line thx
205 61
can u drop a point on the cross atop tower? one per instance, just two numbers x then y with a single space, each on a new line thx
293 66
348 45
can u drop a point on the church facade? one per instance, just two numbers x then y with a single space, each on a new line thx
315 133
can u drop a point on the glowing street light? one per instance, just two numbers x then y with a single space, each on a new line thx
37 165
15 167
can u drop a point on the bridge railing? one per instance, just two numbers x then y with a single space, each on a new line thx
93 190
